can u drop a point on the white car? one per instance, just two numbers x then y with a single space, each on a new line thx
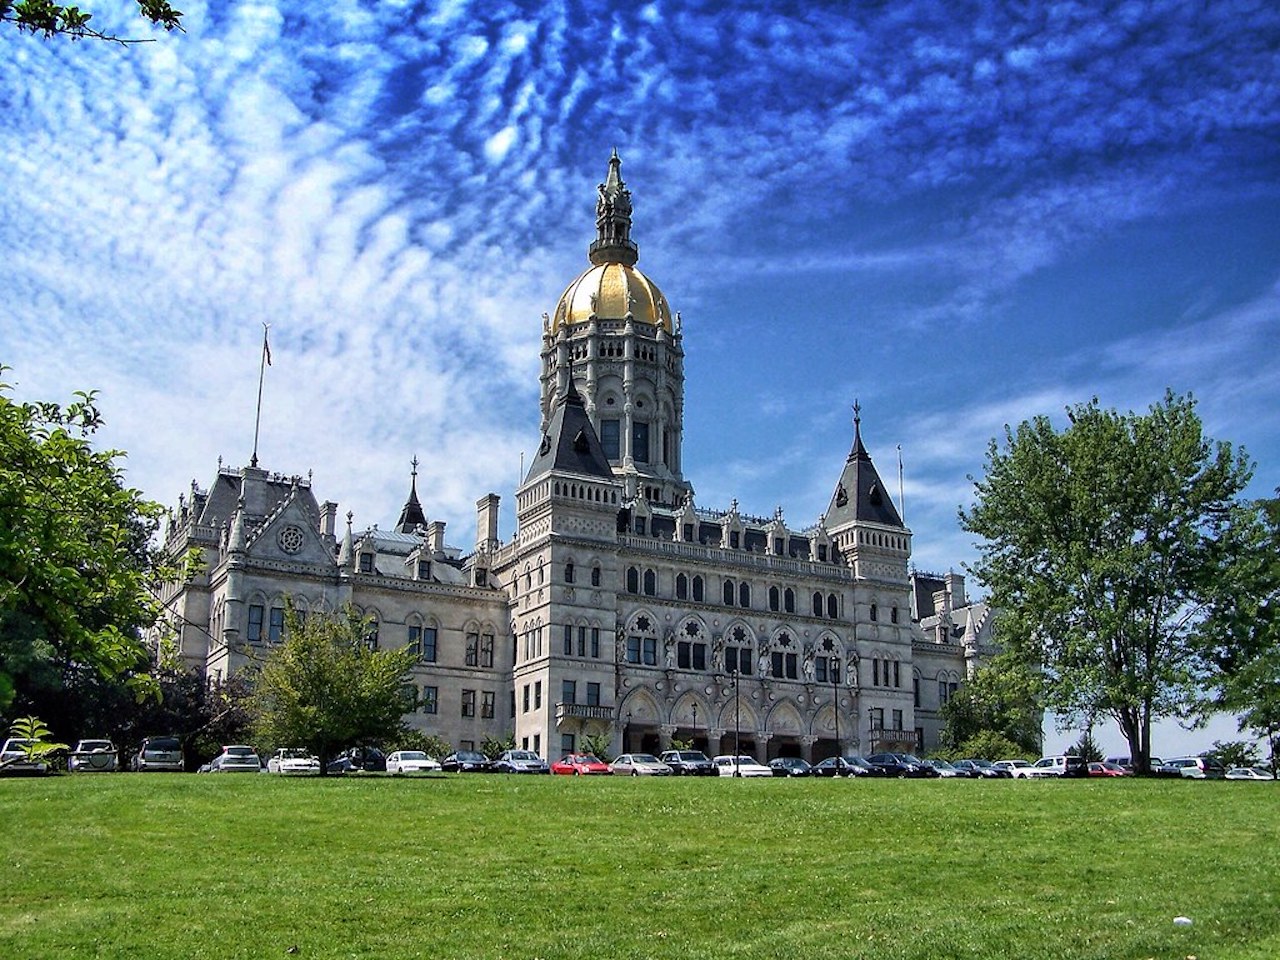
13 758
731 766
236 758
93 756
411 761
1023 769
1249 773
639 765
293 762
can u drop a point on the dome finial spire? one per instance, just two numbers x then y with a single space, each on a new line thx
613 243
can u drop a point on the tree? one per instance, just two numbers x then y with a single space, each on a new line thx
598 745
1107 546
78 569
1234 753
999 699
323 688
52 19
494 747
1246 645
989 745
1087 748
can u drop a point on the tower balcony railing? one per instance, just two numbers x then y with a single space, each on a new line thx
583 711
760 561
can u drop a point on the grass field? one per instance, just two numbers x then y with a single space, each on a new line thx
184 866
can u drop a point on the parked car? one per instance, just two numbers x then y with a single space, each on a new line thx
850 765
1102 768
410 762
639 765
293 761
580 765
466 761
13 756
235 758
93 756
159 754
740 766
359 759
902 765
520 761
1194 768
688 763
1022 769
1249 773
1128 764
790 767
983 769
1064 765
945 769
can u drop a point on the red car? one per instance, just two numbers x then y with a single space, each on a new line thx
577 764
1107 770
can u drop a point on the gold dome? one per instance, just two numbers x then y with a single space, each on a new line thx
610 291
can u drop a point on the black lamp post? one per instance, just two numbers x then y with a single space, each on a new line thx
871 727
737 725
626 734
695 720
835 698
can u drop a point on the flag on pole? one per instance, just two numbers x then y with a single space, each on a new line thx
266 347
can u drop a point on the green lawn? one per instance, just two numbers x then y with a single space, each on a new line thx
185 866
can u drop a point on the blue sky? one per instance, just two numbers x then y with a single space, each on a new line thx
960 215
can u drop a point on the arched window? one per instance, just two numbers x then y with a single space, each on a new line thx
568 572
633 580
682 587
789 600
650 583
833 606
728 593
744 594
595 576
698 592
817 604
774 599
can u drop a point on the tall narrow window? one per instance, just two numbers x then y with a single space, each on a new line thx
568 572
473 649
640 442
728 593
682 587
633 580
833 608
610 435
486 650
430 700
568 691
744 595
568 640
414 639
774 602
256 613
650 583
697 589
276 630
429 644
488 699
468 703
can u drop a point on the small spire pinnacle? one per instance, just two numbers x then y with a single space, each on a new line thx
858 451
613 243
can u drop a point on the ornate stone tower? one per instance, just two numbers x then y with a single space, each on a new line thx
613 333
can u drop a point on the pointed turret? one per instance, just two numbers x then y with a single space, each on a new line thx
861 495
570 444
411 516
613 243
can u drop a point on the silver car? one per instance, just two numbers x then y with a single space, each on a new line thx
639 765
13 758
93 756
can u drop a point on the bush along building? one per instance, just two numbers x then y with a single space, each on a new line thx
619 606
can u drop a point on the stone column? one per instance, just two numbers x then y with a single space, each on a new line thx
715 741
806 747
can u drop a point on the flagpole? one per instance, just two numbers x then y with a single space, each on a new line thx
262 373
902 498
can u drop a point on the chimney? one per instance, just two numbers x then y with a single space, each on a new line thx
487 523
955 587
435 537
329 518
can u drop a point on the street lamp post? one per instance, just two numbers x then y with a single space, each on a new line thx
695 722
871 727
626 734
737 724
835 698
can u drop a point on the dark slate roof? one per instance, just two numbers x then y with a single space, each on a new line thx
570 444
411 515
263 493
861 494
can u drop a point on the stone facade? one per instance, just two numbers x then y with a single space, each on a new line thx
619 606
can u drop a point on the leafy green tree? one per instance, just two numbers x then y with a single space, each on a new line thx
494 747
1245 647
598 745
986 745
1234 753
323 688
38 743
53 19
77 563
1001 699
1107 545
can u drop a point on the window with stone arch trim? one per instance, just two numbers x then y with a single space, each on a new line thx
785 661
422 633
828 666
948 685
372 618
642 639
692 645
886 669
569 571
739 649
